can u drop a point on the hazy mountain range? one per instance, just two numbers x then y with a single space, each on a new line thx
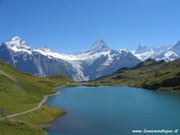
90 64
167 53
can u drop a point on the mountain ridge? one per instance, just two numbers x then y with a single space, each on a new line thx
99 59
167 53
85 65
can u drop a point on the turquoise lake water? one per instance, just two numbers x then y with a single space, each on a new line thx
115 111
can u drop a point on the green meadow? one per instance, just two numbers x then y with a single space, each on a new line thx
22 91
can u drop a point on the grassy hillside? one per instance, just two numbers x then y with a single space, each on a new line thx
149 74
22 91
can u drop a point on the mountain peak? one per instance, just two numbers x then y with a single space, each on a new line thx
16 38
100 45
18 45
16 41
143 48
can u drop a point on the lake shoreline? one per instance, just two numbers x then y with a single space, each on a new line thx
163 89
48 124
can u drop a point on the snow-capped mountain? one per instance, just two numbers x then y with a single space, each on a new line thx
95 62
18 46
39 62
142 49
100 60
144 52
167 53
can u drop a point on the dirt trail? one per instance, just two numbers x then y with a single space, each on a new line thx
7 75
33 109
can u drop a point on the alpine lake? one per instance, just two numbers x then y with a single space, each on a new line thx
115 111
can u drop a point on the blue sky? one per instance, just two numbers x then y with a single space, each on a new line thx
68 26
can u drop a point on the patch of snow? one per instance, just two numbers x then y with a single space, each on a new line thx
144 56
47 52
109 60
123 50
170 53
